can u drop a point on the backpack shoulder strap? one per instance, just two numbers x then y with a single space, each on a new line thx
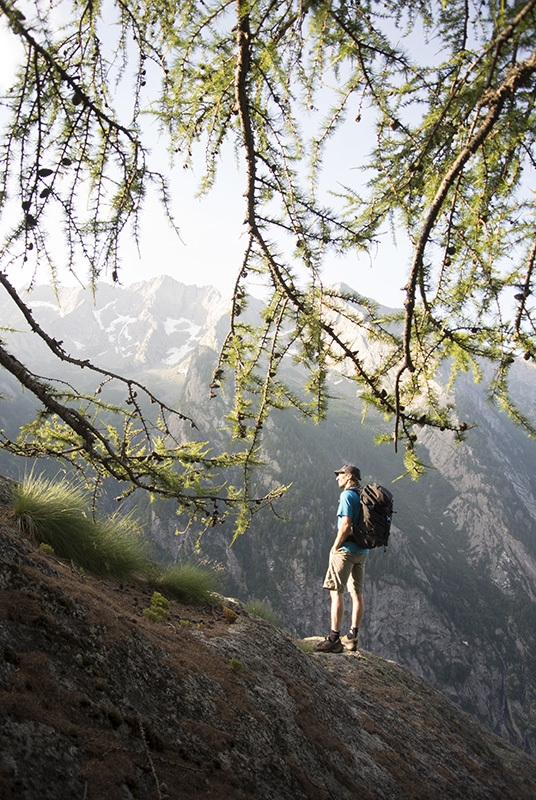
357 491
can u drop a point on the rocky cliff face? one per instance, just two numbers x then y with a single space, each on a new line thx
96 701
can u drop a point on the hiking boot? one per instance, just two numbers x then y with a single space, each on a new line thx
328 646
349 642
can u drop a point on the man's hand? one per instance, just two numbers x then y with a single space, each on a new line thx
345 530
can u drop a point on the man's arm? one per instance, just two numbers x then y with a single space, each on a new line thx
345 530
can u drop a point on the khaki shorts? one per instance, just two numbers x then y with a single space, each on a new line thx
345 569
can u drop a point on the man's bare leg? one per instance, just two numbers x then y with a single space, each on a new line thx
337 610
358 609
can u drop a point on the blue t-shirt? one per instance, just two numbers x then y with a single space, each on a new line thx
350 506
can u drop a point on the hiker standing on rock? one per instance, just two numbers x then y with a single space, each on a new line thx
346 564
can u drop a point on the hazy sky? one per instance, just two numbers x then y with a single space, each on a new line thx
212 237
212 241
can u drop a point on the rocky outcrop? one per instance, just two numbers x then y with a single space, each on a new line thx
97 701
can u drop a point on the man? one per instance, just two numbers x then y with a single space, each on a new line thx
346 565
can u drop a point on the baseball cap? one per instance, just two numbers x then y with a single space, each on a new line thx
351 469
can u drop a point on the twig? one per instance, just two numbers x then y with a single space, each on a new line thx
149 758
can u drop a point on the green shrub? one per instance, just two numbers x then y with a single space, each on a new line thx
121 547
262 610
159 608
187 583
56 514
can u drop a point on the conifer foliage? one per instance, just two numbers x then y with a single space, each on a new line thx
449 89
